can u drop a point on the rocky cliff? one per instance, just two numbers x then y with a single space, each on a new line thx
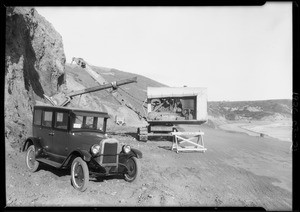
35 59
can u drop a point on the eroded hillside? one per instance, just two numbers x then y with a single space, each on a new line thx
35 59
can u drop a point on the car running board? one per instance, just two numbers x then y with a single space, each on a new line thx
49 162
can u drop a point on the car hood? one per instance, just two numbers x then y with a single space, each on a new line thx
89 134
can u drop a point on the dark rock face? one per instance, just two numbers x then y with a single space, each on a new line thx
35 62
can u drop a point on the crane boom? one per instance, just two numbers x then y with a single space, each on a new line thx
114 84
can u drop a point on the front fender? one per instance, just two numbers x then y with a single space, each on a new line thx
133 153
137 153
86 156
37 144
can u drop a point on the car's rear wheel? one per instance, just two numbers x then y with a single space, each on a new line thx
134 169
31 163
79 174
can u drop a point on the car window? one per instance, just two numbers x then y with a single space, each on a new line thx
100 123
78 122
61 120
47 118
88 122
37 117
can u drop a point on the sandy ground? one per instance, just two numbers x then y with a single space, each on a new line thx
236 170
281 130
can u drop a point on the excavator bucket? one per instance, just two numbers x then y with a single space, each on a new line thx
79 61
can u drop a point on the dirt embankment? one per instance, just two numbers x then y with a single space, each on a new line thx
35 59
236 170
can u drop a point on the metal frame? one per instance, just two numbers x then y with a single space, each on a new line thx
196 145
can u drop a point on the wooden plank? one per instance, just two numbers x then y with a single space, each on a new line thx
159 134
161 128
187 133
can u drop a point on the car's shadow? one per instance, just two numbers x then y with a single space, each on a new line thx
57 172
105 178
165 147
67 172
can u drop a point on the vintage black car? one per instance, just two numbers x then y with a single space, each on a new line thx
75 138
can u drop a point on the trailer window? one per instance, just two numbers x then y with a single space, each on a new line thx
172 108
37 117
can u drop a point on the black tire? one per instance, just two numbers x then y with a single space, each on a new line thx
79 174
134 169
31 163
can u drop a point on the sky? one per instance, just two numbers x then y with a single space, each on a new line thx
238 53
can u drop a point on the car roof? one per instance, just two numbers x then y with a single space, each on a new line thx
74 110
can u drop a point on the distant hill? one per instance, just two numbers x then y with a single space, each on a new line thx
251 110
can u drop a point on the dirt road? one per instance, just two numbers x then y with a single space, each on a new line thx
236 170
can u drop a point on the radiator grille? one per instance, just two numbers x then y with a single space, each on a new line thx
110 153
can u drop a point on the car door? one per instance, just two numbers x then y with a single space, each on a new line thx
60 140
46 131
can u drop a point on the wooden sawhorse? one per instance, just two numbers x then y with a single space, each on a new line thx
197 146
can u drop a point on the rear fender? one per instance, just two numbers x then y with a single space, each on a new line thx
37 144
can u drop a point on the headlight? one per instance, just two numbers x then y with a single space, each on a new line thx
95 149
126 149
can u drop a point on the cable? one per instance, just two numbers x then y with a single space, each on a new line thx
133 97
137 101
131 106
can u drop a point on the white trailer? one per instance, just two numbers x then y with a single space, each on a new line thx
171 106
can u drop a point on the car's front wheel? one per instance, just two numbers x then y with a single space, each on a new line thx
79 174
134 169
31 163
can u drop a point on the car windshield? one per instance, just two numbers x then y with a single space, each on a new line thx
88 123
